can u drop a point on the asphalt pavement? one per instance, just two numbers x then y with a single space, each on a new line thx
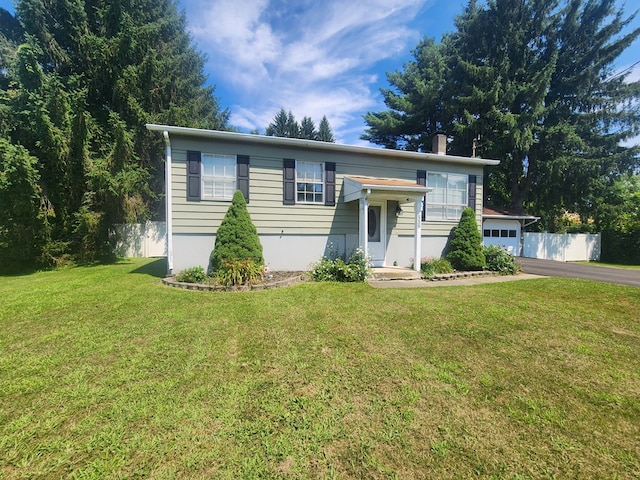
551 268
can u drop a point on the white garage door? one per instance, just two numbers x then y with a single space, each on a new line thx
504 233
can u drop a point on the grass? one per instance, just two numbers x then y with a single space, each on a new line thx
105 373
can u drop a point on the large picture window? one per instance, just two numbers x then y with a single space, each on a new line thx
448 196
309 182
218 176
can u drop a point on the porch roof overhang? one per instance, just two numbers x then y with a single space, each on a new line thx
402 191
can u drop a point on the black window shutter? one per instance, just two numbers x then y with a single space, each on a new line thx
330 184
422 180
472 192
193 175
242 175
289 181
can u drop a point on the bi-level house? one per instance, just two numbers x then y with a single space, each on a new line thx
308 198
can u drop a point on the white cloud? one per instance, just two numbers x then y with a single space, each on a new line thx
631 142
634 75
313 58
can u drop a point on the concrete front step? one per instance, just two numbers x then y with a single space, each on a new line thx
394 273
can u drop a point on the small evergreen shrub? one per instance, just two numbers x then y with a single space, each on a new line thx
192 275
236 239
499 260
433 266
465 244
240 272
330 269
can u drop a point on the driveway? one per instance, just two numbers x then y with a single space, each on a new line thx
552 268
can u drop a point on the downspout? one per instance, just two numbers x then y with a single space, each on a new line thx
417 236
167 182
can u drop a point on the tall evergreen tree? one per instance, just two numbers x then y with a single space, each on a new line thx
283 125
533 79
79 92
308 129
417 110
325 134
24 215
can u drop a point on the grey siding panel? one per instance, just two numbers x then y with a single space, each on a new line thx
268 213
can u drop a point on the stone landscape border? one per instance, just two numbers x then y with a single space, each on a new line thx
287 282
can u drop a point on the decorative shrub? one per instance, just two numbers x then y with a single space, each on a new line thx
240 272
337 270
236 239
465 244
192 275
433 266
499 260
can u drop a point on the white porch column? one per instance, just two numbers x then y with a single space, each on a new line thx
417 239
364 225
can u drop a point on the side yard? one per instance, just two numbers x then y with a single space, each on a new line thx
105 373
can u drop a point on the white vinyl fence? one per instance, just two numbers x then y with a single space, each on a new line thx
142 239
564 247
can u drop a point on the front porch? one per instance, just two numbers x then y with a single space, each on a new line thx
373 196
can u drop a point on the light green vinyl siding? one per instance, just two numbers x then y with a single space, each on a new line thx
267 211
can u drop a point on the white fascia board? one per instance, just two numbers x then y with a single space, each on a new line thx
316 145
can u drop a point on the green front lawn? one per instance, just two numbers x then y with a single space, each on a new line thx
106 373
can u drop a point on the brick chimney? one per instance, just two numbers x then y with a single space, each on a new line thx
439 144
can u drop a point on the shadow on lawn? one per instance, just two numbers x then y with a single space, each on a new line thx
156 268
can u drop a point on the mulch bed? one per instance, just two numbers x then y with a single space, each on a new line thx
272 280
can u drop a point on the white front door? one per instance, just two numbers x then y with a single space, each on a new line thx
377 233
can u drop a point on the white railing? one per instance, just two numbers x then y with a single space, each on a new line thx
142 239
564 247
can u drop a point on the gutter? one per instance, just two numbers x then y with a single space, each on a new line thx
168 199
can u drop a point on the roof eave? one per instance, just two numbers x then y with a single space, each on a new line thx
510 217
312 144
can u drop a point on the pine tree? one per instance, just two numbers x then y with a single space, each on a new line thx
23 216
324 131
534 79
417 110
308 129
237 238
464 251
78 93
283 125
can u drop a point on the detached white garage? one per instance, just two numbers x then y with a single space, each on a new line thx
503 228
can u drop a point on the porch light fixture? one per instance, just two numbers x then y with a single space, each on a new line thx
398 210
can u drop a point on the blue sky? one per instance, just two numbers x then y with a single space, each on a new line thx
316 57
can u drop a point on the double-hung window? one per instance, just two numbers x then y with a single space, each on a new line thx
448 196
309 182
218 176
